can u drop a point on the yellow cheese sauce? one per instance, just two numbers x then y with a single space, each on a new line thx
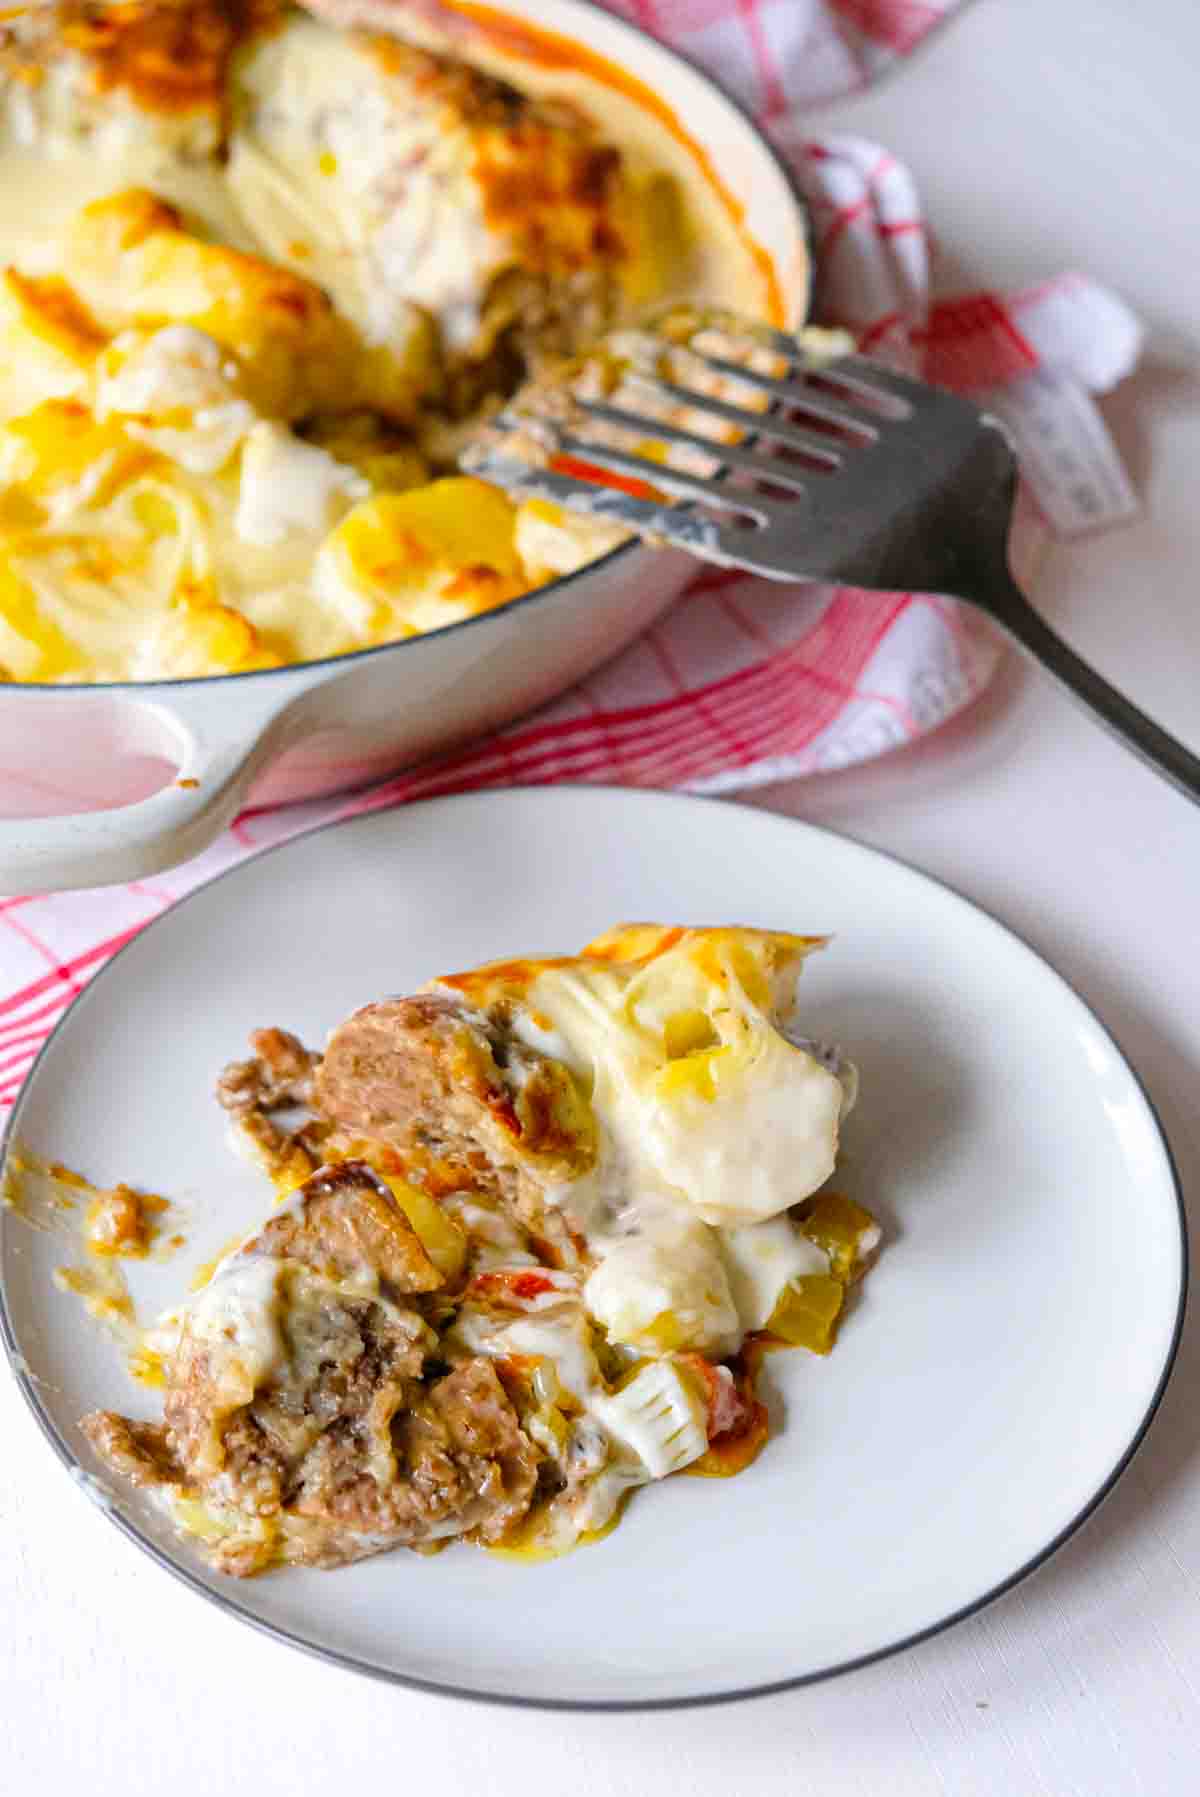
103 1226
237 357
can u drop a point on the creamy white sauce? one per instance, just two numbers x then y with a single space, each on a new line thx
761 1260
209 441
287 485
332 154
656 1261
354 608
652 1427
496 1240
238 1313
176 373
593 1508
560 1336
719 269
162 371
68 498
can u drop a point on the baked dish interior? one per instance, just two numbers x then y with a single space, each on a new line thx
262 274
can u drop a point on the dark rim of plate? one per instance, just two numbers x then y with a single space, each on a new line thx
349 1662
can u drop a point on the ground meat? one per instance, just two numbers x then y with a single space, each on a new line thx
341 1352
341 1444
336 1442
140 1452
462 1464
429 1075
278 1076
252 1471
411 1070
344 1221
278 1073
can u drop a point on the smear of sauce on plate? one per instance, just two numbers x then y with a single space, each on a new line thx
105 1225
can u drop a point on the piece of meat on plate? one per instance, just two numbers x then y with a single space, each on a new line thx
306 1419
451 1086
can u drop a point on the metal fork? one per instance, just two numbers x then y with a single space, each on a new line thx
814 469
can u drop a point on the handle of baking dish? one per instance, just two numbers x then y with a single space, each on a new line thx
222 741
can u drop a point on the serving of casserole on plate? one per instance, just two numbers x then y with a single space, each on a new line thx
261 277
538 1229
990 1378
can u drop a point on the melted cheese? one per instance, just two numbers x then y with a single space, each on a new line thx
761 1260
407 562
169 305
711 1123
661 1282
602 1369
238 1313
559 1334
702 1101
345 171
288 486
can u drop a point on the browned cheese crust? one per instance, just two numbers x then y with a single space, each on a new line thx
171 56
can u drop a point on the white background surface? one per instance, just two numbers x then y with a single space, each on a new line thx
1042 137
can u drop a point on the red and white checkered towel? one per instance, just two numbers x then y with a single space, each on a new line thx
744 682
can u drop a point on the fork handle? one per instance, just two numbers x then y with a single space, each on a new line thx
1161 751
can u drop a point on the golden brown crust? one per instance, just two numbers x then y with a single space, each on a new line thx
171 56
547 184
563 218
130 257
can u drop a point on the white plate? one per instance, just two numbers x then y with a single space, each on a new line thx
996 1374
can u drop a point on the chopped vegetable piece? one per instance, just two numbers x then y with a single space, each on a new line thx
732 1450
839 1226
807 1312
513 1283
440 1236
658 1417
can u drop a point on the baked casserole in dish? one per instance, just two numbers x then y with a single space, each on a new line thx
264 274
262 277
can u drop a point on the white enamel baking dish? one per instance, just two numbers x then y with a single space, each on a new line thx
299 732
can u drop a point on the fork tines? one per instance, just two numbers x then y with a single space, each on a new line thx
711 412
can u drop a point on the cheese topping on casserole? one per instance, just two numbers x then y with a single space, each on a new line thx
540 1226
259 279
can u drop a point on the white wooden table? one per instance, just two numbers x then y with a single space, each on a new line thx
1043 137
